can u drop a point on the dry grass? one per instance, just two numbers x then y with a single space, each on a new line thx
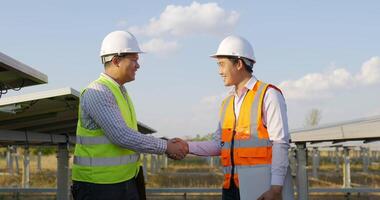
44 178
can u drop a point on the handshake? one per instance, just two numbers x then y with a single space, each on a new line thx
177 149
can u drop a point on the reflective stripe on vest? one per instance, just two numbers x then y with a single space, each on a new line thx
92 140
248 143
227 170
95 162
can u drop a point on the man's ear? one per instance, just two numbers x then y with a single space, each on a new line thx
240 64
115 60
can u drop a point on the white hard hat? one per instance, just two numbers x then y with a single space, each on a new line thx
118 42
235 46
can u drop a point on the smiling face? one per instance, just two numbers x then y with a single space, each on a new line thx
127 67
229 71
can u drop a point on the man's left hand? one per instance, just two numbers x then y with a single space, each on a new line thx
274 193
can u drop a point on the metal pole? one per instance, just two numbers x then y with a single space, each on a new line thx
369 156
373 156
145 166
217 162
315 163
15 154
302 182
331 156
26 171
356 155
365 159
152 163
63 172
39 168
346 169
165 162
158 163
211 161
337 159
10 160
293 161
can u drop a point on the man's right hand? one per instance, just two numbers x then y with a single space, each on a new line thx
177 148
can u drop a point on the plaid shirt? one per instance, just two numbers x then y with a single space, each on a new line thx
100 110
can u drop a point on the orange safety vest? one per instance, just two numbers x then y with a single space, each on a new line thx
245 141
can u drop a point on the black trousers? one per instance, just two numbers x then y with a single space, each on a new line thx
126 190
231 193
133 189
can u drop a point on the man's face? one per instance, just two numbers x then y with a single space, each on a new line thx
228 71
128 66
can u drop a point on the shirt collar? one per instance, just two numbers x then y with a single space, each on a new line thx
251 83
248 86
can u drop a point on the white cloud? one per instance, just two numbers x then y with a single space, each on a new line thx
159 46
321 85
196 18
176 21
370 72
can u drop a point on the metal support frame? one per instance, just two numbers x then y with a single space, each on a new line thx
15 155
39 166
26 171
34 137
158 163
365 157
63 172
10 159
302 181
337 159
346 168
330 155
375 156
165 162
210 160
152 164
293 161
145 167
315 162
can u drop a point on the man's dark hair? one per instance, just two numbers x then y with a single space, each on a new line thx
235 60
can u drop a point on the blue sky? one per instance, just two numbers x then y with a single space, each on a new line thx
322 54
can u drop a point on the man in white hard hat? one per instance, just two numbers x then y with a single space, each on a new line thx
252 138
108 144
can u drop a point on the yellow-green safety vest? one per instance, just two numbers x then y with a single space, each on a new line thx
96 158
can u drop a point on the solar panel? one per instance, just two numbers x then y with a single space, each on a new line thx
367 129
53 112
16 75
